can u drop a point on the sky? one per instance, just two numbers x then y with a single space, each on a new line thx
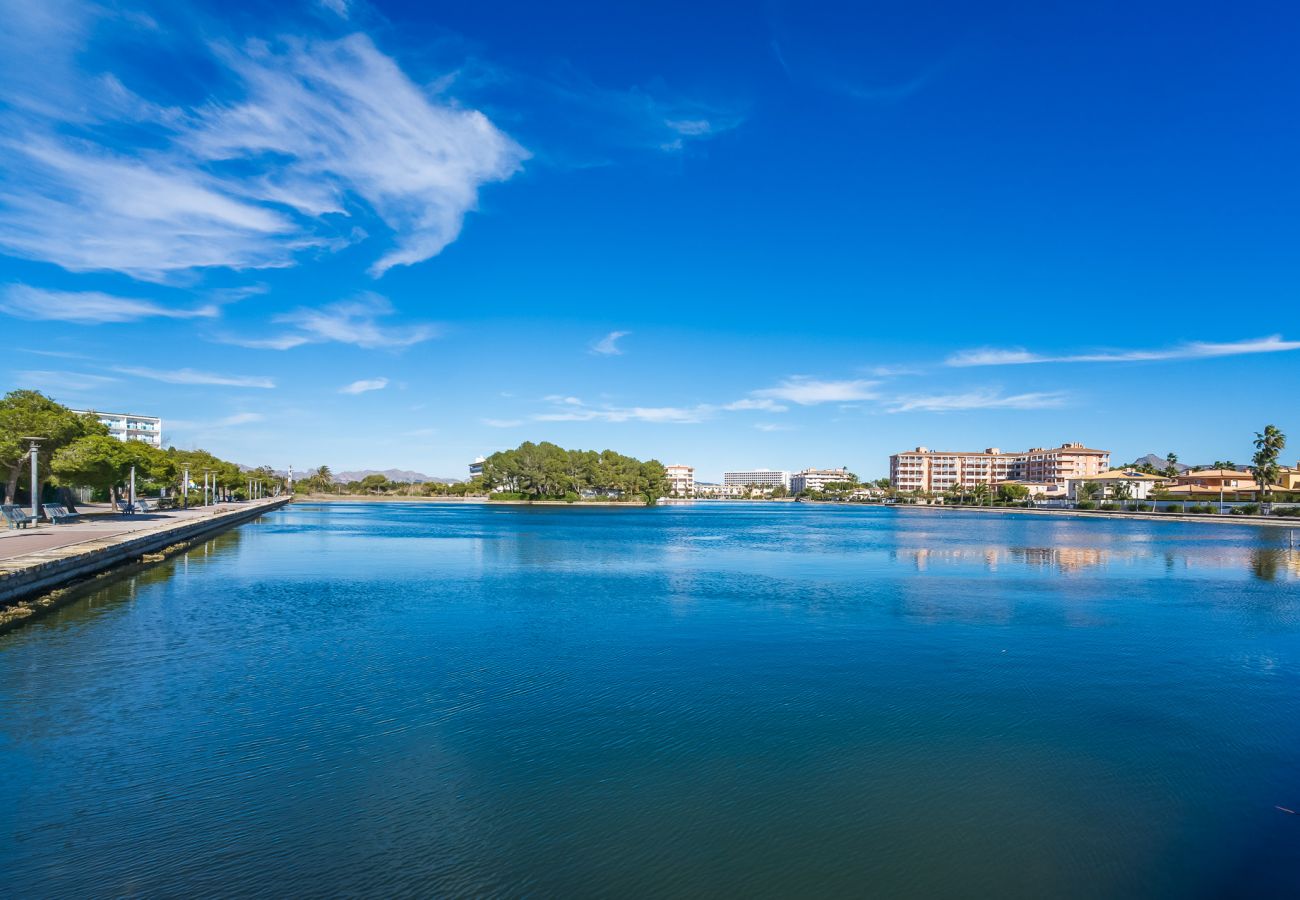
730 235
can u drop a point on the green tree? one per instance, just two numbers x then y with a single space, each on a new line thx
97 460
1269 444
1088 490
1171 465
25 413
1011 492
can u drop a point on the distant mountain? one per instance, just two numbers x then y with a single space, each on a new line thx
1158 462
401 476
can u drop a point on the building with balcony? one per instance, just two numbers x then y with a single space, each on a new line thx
1123 485
766 478
124 427
937 471
680 480
817 479
476 468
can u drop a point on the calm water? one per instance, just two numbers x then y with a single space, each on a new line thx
715 700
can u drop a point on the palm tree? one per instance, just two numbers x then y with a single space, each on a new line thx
1171 465
1268 447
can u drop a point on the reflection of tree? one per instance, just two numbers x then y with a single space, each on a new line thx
1265 563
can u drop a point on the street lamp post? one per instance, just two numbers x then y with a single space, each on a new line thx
185 488
36 481
206 480
132 497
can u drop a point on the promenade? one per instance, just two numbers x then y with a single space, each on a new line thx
46 557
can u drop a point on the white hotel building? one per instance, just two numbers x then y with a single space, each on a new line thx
681 480
816 479
767 478
124 427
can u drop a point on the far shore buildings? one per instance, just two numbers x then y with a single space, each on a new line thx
126 427
817 479
765 478
1131 485
937 471
680 479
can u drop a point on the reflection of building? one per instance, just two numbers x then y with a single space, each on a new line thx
1122 484
680 480
817 479
924 469
759 477
147 429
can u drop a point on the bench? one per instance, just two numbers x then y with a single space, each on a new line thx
125 508
15 516
144 506
57 513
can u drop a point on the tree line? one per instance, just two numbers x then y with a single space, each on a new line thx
77 449
547 471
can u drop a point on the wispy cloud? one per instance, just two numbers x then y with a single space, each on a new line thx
338 7
502 423
1017 356
979 399
231 421
608 345
772 426
89 307
52 381
352 321
572 409
191 376
766 404
364 385
807 391
319 131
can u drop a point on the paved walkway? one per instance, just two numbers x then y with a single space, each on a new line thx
96 523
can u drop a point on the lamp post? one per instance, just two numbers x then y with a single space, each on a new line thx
206 480
185 488
36 481
132 496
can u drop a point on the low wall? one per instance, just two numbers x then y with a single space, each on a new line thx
21 581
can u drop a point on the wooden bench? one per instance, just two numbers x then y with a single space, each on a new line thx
15 516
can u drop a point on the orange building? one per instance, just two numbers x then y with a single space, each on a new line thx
924 469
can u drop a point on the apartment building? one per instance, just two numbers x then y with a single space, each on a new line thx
147 429
759 477
476 468
817 479
680 480
937 471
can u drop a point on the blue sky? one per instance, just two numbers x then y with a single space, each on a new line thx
732 235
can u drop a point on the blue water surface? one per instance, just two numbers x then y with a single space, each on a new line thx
709 700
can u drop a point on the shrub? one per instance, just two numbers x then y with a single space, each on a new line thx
1286 511
1246 509
506 495
1131 507
1109 506
1200 508
1085 504
1141 507
1175 508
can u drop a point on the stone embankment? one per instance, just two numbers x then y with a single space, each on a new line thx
40 568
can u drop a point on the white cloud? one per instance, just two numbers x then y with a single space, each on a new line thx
608 345
979 399
231 421
321 129
338 7
993 356
807 391
244 418
89 307
48 381
190 376
772 426
347 322
364 385
502 423
764 403
571 409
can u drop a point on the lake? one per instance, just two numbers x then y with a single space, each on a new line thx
719 699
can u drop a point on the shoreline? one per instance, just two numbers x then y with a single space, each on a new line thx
1202 518
40 581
